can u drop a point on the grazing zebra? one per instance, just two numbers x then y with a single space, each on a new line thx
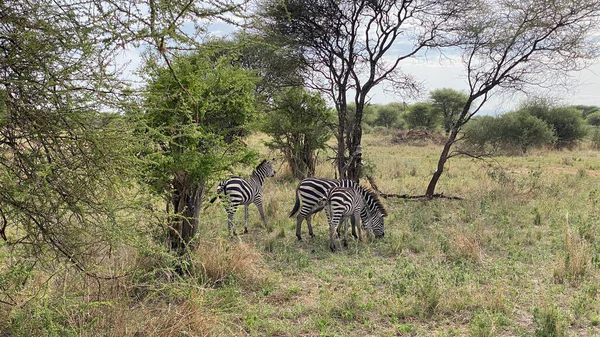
244 192
310 192
341 203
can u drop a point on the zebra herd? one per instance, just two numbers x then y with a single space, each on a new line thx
341 199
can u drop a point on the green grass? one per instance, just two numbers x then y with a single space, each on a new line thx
518 256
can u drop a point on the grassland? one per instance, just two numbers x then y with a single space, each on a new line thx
518 256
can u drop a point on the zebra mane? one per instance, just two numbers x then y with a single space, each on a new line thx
261 164
376 199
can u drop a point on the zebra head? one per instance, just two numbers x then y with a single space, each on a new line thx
377 224
265 168
375 211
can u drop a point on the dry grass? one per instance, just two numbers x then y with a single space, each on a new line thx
464 245
573 263
221 260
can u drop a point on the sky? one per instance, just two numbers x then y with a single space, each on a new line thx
434 72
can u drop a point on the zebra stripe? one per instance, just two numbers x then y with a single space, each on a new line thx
245 192
341 203
312 190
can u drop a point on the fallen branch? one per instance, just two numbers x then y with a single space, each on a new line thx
406 196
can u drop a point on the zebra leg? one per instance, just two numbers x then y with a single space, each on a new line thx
262 213
299 219
357 222
354 224
246 219
332 228
230 226
308 222
345 224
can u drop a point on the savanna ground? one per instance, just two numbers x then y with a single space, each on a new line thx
518 256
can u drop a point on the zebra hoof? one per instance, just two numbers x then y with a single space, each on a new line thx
245 230
312 235
333 249
299 238
345 244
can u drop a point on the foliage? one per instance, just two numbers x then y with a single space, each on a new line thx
66 155
586 110
449 104
513 131
567 123
197 111
593 119
299 126
389 115
422 116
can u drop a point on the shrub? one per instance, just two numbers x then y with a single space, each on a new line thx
422 116
593 119
299 128
512 132
567 122
389 116
522 131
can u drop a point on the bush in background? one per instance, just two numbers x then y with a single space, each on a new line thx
512 132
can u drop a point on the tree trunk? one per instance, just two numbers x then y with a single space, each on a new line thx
355 160
441 162
354 164
187 202
341 143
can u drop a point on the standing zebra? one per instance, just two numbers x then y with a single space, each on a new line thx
341 203
311 191
244 192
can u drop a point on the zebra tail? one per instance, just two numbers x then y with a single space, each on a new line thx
296 205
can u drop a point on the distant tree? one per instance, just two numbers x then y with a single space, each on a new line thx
593 119
586 110
448 103
299 125
388 115
421 116
513 46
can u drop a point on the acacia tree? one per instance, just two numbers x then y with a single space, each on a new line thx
348 48
299 126
64 149
63 156
448 103
515 46
197 131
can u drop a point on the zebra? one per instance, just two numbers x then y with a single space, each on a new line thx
310 192
245 192
341 203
